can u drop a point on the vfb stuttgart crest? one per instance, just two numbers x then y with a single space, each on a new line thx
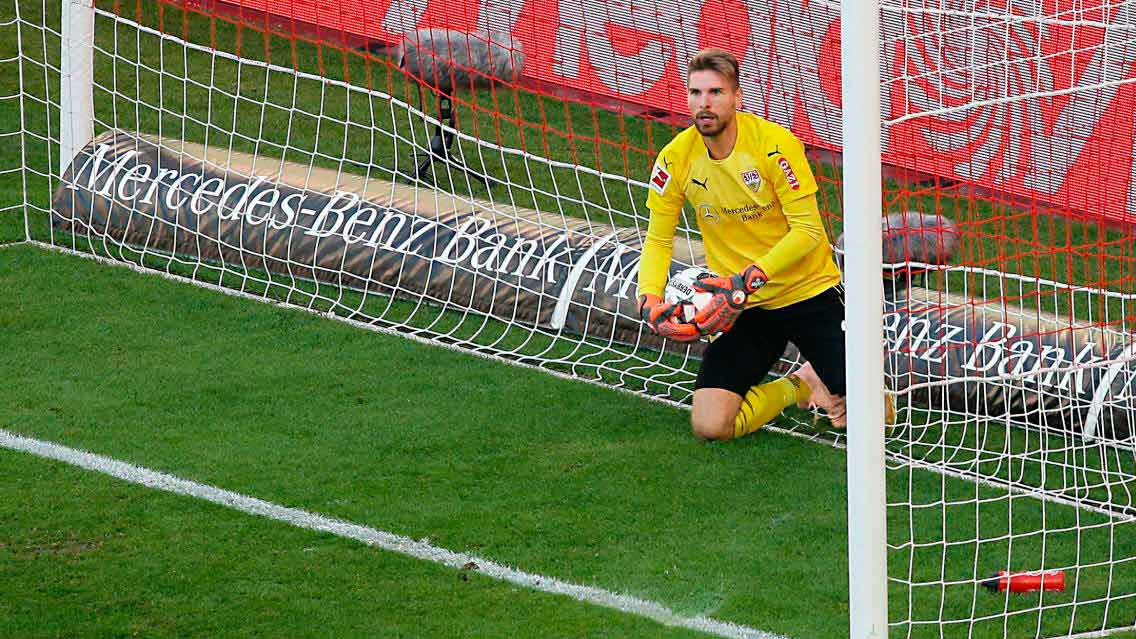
752 179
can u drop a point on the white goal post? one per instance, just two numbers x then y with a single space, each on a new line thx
76 90
864 321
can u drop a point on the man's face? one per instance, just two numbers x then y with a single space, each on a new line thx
712 100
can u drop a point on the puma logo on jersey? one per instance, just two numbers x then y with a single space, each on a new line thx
790 176
702 183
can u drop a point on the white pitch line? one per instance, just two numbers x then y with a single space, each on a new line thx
373 537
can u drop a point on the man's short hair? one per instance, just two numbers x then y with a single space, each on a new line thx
713 59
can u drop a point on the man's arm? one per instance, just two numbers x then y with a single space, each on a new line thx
806 232
658 246
796 188
664 201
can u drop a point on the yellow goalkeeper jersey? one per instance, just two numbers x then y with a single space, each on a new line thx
757 205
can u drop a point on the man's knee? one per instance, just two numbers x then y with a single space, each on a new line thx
712 427
712 413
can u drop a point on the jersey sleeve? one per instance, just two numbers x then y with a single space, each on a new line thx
806 231
796 189
792 177
664 203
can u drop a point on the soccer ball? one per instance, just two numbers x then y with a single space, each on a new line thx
680 290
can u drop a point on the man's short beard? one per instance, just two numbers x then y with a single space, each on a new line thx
714 132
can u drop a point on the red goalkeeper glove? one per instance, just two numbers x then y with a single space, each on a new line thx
729 298
660 318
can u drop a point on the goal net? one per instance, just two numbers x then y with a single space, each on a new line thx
307 157
1014 120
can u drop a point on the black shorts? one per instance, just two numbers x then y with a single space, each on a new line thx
741 358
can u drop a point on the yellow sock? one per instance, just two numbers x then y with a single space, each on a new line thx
763 403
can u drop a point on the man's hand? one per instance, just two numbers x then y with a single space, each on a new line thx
660 319
729 298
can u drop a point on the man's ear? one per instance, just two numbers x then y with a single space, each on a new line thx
738 99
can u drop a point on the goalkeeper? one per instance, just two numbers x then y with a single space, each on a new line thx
754 196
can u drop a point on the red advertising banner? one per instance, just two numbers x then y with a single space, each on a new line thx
1033 98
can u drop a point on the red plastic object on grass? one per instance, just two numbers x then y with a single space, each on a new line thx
1032 581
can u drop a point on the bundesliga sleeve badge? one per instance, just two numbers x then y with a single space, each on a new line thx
660 177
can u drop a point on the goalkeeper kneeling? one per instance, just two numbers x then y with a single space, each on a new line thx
755 198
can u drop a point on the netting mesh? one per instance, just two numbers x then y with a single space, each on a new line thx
1012 120
308 128
270 156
